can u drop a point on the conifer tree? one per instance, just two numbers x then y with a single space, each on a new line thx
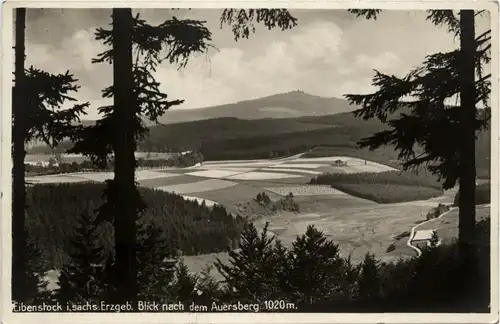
155 264
436 124
369 281
250 276
18 153
242 21
36 115
210 290
84 278
317 272
138 48
35 286
184 286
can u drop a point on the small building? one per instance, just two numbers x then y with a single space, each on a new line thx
424 238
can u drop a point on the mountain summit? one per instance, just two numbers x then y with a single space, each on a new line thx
284 105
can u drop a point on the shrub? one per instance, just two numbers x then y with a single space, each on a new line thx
437 211
390 248
287 203
402 235
263 199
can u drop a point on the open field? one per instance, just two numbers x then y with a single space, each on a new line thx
358 225
447 226
293 171
233 195
199 186
56 178
305 190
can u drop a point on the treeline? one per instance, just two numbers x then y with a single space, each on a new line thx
191 228
334 284
180 161
311 276
388 177
235 139
383 187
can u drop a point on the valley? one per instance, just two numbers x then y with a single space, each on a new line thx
358 225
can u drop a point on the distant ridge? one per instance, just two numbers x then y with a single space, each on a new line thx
290 104
282 105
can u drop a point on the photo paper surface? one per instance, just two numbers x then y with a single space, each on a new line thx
265 162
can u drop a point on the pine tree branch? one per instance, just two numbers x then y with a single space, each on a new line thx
242 21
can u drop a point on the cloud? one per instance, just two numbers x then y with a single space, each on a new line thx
231 74
324 55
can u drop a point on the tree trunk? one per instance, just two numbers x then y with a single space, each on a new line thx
18 154
466 201
124 166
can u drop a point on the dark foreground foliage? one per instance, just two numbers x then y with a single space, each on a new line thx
311 276
188 227
383 187
314 277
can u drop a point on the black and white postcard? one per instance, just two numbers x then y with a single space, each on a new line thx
263 162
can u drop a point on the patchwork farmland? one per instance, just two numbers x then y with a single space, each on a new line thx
357 225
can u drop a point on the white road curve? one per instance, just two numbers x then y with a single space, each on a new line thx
413 230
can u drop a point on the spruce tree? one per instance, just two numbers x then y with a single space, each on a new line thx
155 264
210 290
184 286
251 275
436 124
137 49
18 153
36 115
242 21
369 281
85 277
317 272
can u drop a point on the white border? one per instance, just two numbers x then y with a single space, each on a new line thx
6 166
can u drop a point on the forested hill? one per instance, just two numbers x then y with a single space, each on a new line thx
233 138
282 105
